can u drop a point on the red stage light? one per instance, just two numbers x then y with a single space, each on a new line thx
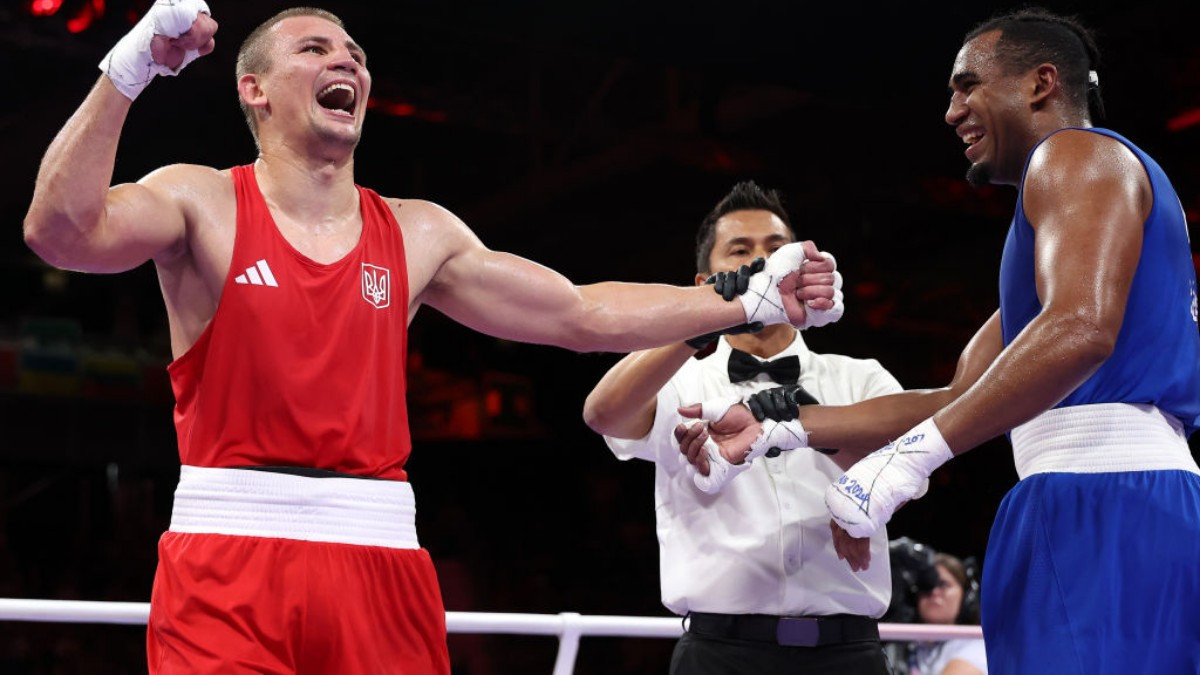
86 16
44 7
1184 120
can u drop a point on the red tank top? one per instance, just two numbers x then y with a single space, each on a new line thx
303 364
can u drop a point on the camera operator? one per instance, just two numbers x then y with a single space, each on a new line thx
934 588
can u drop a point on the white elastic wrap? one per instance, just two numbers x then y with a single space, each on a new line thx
762 301
864 498
254 503
1101 438
783 435
129 64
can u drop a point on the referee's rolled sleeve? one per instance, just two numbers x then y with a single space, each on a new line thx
659 443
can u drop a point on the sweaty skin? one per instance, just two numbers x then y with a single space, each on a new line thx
1086 197
182 217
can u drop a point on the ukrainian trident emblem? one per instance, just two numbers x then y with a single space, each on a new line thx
376 285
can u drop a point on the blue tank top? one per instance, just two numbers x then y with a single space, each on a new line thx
1157 355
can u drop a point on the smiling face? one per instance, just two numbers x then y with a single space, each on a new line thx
990 112
316 85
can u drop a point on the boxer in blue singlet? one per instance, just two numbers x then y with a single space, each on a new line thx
1092 363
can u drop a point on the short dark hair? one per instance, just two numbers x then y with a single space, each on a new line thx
253 57
745 196
1033 36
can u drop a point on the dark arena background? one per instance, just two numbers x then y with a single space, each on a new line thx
588 136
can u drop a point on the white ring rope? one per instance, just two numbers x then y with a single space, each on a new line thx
568 626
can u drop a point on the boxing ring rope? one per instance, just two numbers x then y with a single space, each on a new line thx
567 626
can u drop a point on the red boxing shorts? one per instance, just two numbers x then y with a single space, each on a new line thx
230 598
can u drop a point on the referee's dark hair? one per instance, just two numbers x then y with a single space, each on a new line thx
745 196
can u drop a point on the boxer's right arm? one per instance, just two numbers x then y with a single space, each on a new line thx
76 221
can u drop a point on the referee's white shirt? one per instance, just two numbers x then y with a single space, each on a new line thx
762 545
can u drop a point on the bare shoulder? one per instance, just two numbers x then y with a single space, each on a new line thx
191 185
185 176
206 198
433 236
1076 167
1075 156
430 225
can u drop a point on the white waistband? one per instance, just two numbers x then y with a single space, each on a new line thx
254 503
1101 438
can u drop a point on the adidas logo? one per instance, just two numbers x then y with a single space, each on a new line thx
259 274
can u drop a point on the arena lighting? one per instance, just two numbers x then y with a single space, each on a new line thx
83 19
398 108
44 7
1183 120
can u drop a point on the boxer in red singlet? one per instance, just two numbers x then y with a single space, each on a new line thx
289 290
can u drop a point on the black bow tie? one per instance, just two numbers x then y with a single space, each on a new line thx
742 367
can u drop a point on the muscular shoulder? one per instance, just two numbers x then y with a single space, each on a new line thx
1085 167
1075 157
429 223
188 179
195 189
433 236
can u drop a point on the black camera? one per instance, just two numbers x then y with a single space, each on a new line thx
913 574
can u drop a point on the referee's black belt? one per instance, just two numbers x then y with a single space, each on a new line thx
789 631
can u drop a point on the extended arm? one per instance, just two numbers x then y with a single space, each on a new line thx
864 427
510 297
624 401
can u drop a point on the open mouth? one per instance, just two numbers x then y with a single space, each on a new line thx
972 139
338 97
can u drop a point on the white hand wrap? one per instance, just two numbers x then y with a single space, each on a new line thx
129 64
815 318
782 435
762 301
720 471
866 496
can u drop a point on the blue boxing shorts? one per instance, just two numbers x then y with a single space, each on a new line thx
1095 573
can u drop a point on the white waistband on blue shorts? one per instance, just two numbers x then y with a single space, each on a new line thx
1101 438
253 503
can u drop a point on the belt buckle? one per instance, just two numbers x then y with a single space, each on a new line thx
798 631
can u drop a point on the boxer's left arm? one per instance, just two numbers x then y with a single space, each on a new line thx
1086 197
510 297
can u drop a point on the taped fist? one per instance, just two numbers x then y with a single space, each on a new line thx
729 285
172 34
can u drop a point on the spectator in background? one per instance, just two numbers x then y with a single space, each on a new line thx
955 600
